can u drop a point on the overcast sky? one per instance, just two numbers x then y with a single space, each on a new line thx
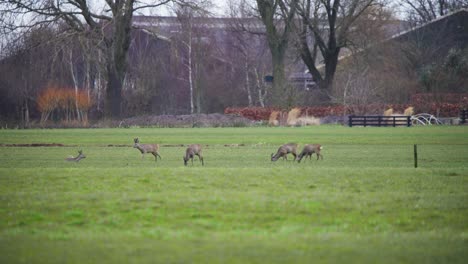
218 7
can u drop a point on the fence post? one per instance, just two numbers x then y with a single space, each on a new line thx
408 120
415 155
350 120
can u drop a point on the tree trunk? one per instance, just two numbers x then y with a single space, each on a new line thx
279 93
247 83
117 48
98 83
198 87
75 85
25 114
331 62
278 38
190 69
261 95
113 94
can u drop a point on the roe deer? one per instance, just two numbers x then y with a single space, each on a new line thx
147 148
310 149
77 158
284 150
192 150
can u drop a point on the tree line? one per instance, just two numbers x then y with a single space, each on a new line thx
73 43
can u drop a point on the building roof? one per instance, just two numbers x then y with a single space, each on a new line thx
453 26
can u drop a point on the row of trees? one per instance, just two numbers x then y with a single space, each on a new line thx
56 36
106 28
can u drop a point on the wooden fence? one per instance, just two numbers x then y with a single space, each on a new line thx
463 114
393 121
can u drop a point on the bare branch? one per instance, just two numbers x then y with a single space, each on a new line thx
162 3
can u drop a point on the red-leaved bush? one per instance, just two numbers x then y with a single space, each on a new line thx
64 104
448 105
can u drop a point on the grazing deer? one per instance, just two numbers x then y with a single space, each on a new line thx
77 158
147 148
192 150
284 150
310 149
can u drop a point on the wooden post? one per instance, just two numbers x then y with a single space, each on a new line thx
415 155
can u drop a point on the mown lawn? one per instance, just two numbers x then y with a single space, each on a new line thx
364 203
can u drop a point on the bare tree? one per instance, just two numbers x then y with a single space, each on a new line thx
23 68
331 23
194 41
149 83
108 25
185 17
249 51
278 18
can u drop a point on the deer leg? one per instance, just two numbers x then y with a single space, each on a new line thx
158 155
200 157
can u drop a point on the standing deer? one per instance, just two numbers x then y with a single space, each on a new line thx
284 150
192 150
77 158
310 149
147 148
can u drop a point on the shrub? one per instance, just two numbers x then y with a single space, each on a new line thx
443 106
67 105
273 120
293 115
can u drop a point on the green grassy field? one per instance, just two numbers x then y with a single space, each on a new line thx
364 203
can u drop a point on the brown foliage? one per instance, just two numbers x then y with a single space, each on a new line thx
293 115
68 105
273 120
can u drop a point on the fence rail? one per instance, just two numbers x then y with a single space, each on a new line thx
393 121
463 115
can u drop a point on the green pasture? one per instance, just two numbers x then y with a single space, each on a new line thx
364 203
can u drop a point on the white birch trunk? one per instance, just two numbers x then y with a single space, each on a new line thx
189 44
75 84
261 95
247 82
